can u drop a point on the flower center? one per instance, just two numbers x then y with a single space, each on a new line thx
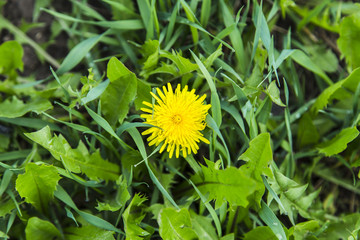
176 119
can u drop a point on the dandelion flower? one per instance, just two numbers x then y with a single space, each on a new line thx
177 119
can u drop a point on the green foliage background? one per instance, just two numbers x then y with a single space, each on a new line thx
282 78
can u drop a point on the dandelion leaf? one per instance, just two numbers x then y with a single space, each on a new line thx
11 53
258 157
339 142
337 91
132 217
39 229
175 224
75 159
88 232
203 227
307 133
6 207
261 233
150 51
13 108
142 94
292 195
303 230
120 92
231 185
37 185
348 41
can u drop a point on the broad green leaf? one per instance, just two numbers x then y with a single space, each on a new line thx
348 41
120 92
258 157
88 232
292 195
16 108
203 227
339 142
11 53
132 217
307 133
39 229
75 159
230 184
142 94
305 229
37 184
274 93
6 207
175 224
230 236
260 233
150 51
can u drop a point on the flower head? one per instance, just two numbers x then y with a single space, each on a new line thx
177 119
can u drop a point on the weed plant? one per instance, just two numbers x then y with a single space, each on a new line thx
181 119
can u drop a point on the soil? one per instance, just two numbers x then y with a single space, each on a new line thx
20 11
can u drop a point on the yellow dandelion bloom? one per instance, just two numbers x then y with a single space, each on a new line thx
177 119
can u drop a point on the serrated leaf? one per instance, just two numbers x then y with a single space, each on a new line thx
88 232
292 195
258 157
120 92
75 159
16 108
305 229
175 224
38 229
336 91
339 142
348 41
230 184
37 184
132 217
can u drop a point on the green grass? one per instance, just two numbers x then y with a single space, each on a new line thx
282 79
